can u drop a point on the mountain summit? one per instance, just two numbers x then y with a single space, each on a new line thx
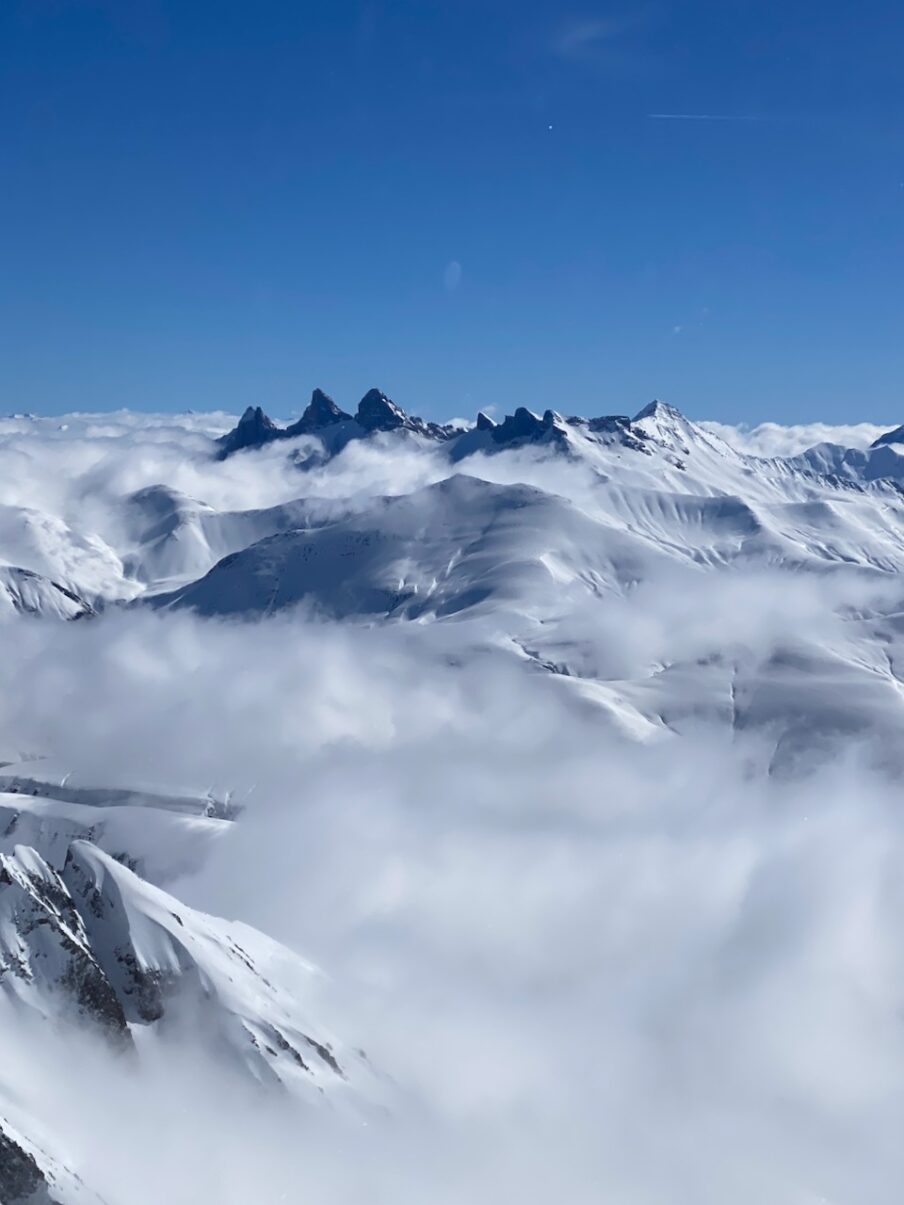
321 411
322 417
253 430
377 412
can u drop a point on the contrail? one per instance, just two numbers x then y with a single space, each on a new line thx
702 117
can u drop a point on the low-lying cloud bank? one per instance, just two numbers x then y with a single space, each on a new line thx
779 439
601 941
74 464
595 969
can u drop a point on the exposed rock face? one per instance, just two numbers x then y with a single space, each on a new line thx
523 427
141 988
95 942
523 424
253 430
30 1175
657 424
321 411
376 412
21 1179
45 953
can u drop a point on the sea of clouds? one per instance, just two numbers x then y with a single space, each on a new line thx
596 970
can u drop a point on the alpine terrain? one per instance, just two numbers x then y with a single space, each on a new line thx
514 800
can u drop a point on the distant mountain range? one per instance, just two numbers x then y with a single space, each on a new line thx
376 413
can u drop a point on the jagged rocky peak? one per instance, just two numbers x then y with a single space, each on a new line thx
253 430
377 412
321 411
665 425
254 419
519 428
890 437
659 410
523 424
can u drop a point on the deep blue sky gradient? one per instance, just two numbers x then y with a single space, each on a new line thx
206 203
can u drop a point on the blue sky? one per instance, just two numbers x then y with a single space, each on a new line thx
207 204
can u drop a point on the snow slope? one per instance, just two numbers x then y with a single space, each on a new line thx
30 1175
92 941
460 545
23 592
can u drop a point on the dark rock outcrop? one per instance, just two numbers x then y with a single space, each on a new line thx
46 947
377 412
322 417
21 1180
253 430
321 411
657 423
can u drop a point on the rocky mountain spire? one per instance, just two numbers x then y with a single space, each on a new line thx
377 412
253 430
321 411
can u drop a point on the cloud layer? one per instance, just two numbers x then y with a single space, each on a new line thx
777 439
651 972
594 967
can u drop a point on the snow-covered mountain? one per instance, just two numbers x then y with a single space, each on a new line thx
86 942
608 561
521 527
82 931
461 545
657 479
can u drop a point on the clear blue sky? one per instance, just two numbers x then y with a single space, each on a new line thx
206 203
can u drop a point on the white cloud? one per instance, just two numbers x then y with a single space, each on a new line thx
593 968
597 969
778 439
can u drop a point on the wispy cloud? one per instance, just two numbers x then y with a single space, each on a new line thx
703 117
616 44
579 39
776 439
